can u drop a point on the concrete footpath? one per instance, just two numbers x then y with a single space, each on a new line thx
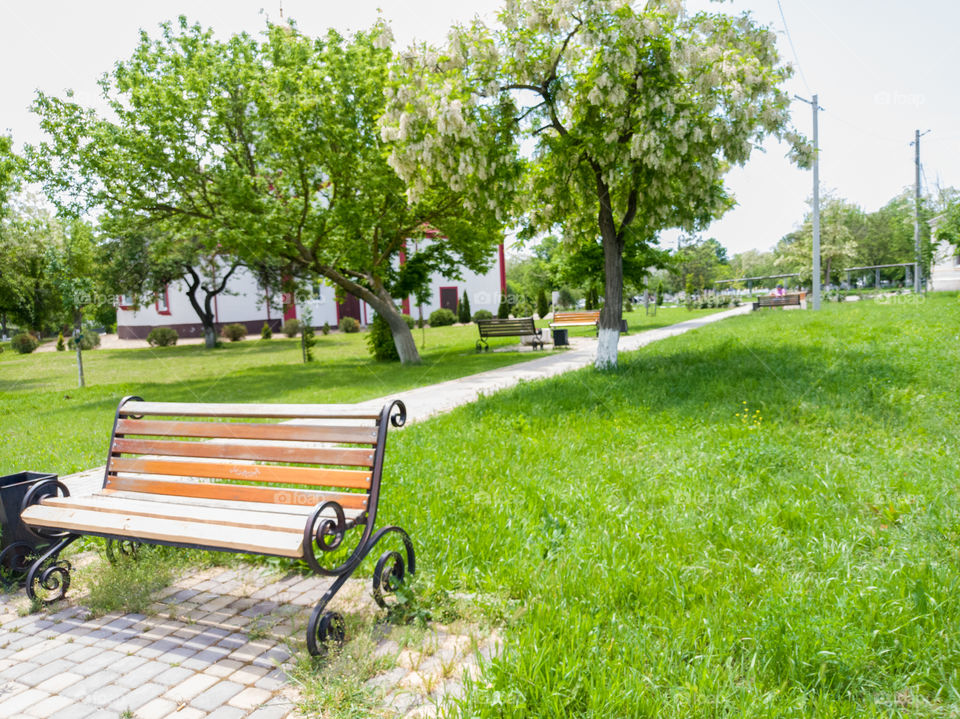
215 643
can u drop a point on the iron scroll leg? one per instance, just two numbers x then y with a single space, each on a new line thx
49 574
388 575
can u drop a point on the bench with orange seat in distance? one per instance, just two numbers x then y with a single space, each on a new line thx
588 318
284 480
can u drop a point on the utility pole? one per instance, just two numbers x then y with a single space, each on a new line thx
816 202
917 279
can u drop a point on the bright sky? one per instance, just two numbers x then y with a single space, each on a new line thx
882 68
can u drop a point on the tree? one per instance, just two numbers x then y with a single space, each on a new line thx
73 269
635 115
543 307
268 150
27 296
840 224
463 309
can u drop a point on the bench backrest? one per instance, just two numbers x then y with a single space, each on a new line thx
778 300
507 327
587 316
299 454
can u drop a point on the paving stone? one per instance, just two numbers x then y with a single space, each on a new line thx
98 662
226 713
223 668
250 698
81 654
201 660
159 708
249 674
76 710
17 669
272 682
58 683
107 695
128 664
18 704
138 697
217 695
271 712
171 676
191 687
387 681
177 655
87 686
49 706
144 672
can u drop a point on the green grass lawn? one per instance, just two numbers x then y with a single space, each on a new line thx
758 519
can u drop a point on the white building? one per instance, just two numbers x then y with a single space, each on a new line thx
245 302
945 268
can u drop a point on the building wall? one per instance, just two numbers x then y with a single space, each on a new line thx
244 302
945 272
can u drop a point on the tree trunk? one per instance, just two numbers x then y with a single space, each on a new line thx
826 280
3 325
209 335
383 304
77 336
612 312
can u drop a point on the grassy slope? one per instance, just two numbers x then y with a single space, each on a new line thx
756 519
50 425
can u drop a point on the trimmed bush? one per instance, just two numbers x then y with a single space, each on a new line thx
442 318
523 309
24 343
61 345
234 332
89 340
482 315
162 337
380 341
348 324
543 307
291 328
411 323
265 332
326 328
463 309
503 311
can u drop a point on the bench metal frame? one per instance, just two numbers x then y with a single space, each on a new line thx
518 327
48 577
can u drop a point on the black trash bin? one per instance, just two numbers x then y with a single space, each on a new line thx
560 338
16 541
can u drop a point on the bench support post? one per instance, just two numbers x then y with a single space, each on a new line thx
388 575
50 574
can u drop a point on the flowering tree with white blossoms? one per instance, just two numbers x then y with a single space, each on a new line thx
633 114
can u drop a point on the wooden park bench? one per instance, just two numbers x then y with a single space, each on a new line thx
283 480
588 318
520 327
792 300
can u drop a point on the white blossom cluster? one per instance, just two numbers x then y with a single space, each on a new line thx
636 101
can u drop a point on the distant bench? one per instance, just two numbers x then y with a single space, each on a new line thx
283 480
495 327
777 301
575 319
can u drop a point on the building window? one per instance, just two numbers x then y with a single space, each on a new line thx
126 302
163 302
315 291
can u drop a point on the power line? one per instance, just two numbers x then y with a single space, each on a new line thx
796 57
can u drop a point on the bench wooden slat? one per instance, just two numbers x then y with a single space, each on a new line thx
247 430
259 541
274 521
279 411
575 319
350 478
309 498
347 456
236 492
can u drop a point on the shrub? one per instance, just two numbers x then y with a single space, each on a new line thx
291 328
24 343
162 337
326 328
380 341
409 320
543 307
503 311
523 309
482 315
463 309
61 345
234 332
442 317
88 340
265 332
348 324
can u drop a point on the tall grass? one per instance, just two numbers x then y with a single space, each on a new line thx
756 519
